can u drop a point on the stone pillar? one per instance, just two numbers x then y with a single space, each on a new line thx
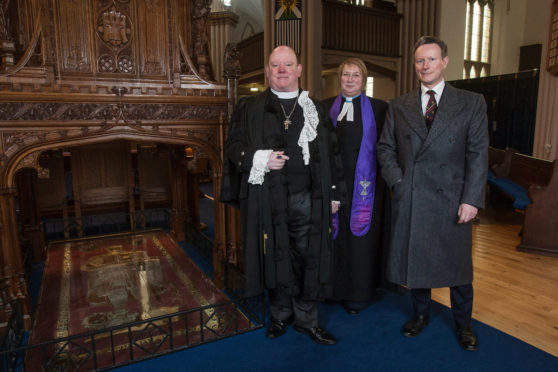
222 28
311 54
420 17
545 144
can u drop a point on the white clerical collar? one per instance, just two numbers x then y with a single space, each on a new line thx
347 109
350 99
285 95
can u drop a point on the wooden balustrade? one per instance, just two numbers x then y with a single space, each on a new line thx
251 53
360 29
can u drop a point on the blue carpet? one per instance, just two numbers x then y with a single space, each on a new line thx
370 341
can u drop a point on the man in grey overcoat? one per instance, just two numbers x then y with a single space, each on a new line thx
433 152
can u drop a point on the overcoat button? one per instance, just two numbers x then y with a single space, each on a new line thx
239 163
440 191
442 165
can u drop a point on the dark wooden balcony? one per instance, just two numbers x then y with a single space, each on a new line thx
346 27
251 53
360 29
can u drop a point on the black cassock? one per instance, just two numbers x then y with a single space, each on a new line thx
255 124
359 261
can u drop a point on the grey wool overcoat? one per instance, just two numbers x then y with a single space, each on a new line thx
431 173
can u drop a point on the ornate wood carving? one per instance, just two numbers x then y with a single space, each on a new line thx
73 36
153 45
56 90
114 36
232 62
32 161
102 112
200 23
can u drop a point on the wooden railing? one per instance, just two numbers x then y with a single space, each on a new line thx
251 53
360 29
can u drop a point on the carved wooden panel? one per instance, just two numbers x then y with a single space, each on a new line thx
27 10
181 16
73 24
100 171
115 37
96 111
51 191
154 171
153 37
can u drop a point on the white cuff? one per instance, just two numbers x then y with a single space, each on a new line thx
259 167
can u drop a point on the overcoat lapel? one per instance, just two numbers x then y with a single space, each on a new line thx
413 113
448 108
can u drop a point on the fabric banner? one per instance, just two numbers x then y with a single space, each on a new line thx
288 23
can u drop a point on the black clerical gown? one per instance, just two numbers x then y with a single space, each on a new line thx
257 124
359 260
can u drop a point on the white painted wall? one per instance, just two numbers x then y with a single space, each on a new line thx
509 30
249 12
452 31
516 23
535 26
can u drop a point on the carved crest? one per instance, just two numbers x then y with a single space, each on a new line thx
114 28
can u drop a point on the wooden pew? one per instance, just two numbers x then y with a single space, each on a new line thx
516 173
499 160
540 225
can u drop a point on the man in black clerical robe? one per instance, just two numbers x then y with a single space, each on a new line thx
362 236
279 168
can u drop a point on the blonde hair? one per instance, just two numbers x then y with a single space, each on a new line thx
358 63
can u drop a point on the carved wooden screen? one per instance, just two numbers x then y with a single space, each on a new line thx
119 38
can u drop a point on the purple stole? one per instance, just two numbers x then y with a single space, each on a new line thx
365 173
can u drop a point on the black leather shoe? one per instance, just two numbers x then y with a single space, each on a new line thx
317 334
414 326
278 327
467 338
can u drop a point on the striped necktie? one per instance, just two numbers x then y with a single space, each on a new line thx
431 108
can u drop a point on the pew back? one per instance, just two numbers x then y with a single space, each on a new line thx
526 170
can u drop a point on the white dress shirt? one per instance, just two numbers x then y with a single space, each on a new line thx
424 97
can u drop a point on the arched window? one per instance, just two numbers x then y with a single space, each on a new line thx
478 38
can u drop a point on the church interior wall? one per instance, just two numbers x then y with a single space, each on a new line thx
384 88
250 19
452 20
516 23
509 29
